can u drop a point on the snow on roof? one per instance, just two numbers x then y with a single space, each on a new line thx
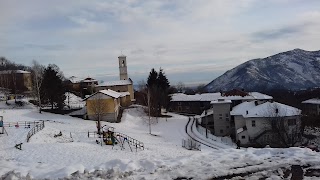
267 109
111 93
207 112
116 83
242 108
220 101
108 92
312 101
14 71
240 130
74 79
215 96
124 94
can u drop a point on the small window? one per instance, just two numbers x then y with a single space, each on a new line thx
243 137
179 103
227 119
227 115
253 123
220 116
221 130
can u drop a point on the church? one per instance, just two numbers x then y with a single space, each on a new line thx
123 85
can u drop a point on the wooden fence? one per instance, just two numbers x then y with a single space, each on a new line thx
35 129
191 144
25 124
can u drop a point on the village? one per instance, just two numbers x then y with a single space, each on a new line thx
111 125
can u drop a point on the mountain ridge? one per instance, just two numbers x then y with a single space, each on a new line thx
295 69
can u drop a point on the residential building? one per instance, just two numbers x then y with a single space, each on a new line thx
269 123
196 104
311 107
103 105
18 81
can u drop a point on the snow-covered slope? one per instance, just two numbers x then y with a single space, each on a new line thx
296 69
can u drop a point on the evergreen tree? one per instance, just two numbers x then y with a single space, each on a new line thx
163 86
52 90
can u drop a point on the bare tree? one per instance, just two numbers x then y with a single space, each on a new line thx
98 106
38 71
180 86
285 126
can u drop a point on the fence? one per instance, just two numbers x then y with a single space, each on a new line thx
225 140
191 144
131 141
35 129
25 124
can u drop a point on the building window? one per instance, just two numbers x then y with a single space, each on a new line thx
179 103
221 130
253 123
291 122
220 116
243 137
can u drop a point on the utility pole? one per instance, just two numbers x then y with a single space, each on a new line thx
206 123
149 109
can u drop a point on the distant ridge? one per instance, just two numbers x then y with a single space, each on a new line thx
296 69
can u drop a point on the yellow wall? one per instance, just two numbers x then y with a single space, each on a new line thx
109 105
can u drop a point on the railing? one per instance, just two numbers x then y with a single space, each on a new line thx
25 124
225 140
191 144
35 129
137 144
131 141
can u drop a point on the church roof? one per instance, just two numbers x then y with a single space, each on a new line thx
116 83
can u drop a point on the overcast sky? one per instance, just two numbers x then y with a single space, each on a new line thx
194 41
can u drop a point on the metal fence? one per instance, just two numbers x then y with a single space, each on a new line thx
35 129
131 141
191 144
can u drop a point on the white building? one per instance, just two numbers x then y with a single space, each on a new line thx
268 123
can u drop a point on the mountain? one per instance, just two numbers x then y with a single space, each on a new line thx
295 69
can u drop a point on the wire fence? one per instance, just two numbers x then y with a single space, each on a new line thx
35 129
25 124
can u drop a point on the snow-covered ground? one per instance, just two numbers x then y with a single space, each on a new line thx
74 155
73 101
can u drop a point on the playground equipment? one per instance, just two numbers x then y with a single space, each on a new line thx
110 137
3 130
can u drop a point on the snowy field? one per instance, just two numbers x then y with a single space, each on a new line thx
75 156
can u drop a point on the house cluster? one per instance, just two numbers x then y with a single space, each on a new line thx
249 117
104 100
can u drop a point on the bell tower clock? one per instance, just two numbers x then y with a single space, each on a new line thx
123 67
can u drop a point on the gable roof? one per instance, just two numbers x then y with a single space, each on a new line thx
312 101
108 92
267 109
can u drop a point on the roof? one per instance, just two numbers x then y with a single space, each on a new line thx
267 109
215 96
312 101
74 79
14 71
124 94
108 92
221 101
116 83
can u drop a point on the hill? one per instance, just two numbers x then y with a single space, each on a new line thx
296 69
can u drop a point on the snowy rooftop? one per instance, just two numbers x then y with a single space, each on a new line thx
267 109
116 83
215 96
108 92
14 71
124 94
221 101
74 79
312 101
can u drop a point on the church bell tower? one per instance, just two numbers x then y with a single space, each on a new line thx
123 67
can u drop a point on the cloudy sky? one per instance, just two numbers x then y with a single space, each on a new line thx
194 41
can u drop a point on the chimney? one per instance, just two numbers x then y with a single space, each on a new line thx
247 112
277 110
256 103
